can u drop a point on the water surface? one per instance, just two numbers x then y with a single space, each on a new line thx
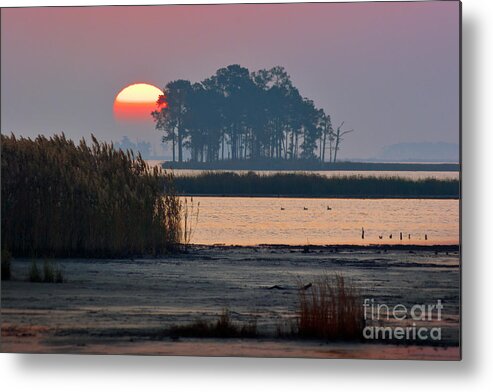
298 221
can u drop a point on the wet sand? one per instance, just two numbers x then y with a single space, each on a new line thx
123 306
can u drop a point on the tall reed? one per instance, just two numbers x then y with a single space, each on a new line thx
63 199
190 218
330 309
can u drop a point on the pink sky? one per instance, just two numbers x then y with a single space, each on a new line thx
390 70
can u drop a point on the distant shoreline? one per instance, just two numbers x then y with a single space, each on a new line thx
312 166
304 196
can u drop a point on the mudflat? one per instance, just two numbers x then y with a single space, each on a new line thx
125 306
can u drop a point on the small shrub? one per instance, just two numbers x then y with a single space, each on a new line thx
6 264
249 330
330 309
48 272
52 273
223 327
34 274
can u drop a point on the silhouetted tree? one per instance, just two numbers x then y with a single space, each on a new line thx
170 117
204 123
325 125
165 122
235 114
338 139
311 131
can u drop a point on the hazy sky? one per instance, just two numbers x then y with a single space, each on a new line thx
389 70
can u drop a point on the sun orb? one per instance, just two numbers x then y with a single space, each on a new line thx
136 102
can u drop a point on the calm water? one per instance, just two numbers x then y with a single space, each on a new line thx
252 221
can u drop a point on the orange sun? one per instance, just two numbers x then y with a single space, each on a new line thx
136 102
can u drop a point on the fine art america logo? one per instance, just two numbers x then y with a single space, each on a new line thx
421 316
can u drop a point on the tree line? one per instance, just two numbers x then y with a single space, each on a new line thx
241 115
143 147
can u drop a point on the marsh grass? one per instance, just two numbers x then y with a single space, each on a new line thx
6 264
60 199
34 273
330 309
48 272
190 218
315 185
223 327
51 273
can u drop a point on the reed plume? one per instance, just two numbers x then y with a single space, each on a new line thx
62 199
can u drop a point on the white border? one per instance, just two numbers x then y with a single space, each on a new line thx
116 373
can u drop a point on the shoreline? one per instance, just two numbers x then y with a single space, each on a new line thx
230 347
303 248
313 166
340 247
305 196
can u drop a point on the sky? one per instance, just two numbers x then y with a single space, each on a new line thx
389 70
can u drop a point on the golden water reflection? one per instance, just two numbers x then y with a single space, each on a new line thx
253 220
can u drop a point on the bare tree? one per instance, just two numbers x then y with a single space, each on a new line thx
327 130
338 139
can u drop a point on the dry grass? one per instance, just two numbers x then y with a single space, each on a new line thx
34 273
223 327
60 199
190 218
52 273
330 309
